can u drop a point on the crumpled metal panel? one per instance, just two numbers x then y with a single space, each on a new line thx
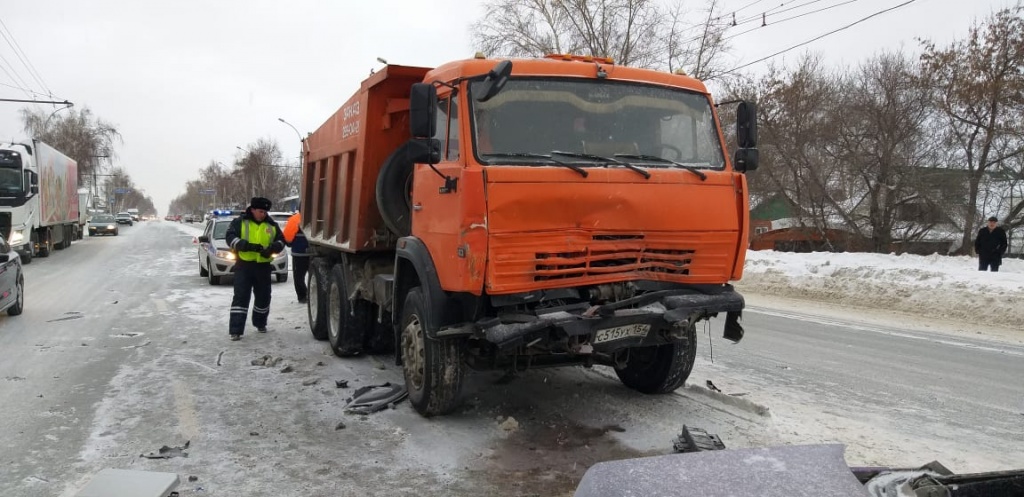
792 471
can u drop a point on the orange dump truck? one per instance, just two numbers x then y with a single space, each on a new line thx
529 213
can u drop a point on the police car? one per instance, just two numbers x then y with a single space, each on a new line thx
216 259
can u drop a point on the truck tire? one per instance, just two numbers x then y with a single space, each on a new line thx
394 191
433 368
45 245
19 305
349 319
318 288
661 368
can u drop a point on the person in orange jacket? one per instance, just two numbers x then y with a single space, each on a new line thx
296 239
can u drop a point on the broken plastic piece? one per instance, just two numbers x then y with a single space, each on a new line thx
697 440
166 452
373 398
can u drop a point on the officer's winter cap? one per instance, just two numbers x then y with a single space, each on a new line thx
260 203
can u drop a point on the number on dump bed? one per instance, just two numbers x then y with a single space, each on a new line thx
630 330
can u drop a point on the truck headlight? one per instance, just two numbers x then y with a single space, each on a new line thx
16 237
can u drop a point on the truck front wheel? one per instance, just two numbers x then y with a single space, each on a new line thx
434 368
350 318
661 368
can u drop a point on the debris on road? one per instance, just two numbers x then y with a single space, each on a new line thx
713 387
696 440
339 426
310 382
219 357
193 478
509 425
166 452
341 383
373 398
254 433
287 369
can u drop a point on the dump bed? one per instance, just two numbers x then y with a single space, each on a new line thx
344 156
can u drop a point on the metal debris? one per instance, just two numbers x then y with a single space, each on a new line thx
310 382
287 369
344 384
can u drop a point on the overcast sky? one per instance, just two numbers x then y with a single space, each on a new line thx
185 82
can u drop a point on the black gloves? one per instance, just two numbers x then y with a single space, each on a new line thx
245 246
274 248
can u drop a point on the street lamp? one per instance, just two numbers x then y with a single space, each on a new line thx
302 141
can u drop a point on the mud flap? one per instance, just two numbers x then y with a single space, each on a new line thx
733 329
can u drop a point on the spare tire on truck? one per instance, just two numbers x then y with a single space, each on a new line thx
394 183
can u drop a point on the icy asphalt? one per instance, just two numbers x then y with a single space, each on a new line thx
123 349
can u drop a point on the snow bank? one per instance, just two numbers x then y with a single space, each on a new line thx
933 286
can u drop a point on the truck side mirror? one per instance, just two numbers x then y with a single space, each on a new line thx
746 159
746 124
423 110
495 81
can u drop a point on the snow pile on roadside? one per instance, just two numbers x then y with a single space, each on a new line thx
934 286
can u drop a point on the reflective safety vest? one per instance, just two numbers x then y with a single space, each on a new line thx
260 234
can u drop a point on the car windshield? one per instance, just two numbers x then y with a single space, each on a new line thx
220 229
102 219
604 118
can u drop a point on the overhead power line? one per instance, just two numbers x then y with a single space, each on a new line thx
816 38
23 57
780 21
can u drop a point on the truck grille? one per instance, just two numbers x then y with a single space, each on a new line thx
598 261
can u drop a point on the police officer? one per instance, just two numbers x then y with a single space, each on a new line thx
255 238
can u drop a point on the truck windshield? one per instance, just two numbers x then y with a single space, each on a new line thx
12 181
597 117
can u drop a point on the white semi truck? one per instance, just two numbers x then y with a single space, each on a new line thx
39 206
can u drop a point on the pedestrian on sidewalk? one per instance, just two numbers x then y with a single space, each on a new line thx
296 239
255 238
990 245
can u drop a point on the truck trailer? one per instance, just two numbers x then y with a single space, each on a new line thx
39 200
506 215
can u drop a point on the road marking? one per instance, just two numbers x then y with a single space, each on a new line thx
1009 349
185 408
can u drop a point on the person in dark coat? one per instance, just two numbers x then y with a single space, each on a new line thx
990 245
296 239
255 238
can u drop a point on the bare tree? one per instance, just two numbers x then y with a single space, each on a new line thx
639 33
76 133
979 88
879 137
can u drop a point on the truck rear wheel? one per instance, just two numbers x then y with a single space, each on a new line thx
661 368
318 288
433 368
349 318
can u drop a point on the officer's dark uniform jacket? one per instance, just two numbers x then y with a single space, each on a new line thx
252 270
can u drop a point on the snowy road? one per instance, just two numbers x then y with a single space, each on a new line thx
72 409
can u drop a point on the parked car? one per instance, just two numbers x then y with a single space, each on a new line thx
103 224
12 280
124 218
217 260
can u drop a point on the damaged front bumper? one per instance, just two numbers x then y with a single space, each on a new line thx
650 319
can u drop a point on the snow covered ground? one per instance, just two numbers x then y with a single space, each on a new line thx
928 289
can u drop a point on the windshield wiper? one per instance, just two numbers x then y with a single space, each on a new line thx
583 172
606 160
655 158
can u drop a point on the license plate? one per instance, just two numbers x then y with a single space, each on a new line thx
630 330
